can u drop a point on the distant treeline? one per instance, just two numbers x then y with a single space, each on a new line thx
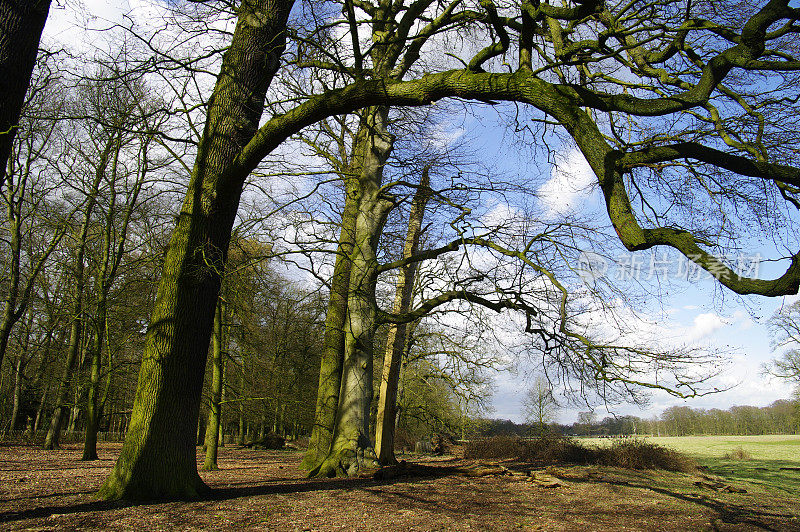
781 417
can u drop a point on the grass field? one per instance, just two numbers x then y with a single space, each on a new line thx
774 460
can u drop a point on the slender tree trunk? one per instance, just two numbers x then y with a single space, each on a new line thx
158 457
215 408
330 374
21 25
93 407
62 393
17 390
76 326
37 422
240 436
19 372
74 410
352 449
221 441
8 320
111 257
397 337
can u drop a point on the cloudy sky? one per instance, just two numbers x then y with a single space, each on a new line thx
695 311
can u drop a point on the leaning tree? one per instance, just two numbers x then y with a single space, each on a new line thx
685 111
21 26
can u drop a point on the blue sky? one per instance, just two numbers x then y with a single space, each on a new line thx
706 314
700 311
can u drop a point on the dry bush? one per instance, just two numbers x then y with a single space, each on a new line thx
494 448
557 448
737 454
403 440
302 442
640 454
553 448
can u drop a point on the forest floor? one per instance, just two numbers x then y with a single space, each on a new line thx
265 490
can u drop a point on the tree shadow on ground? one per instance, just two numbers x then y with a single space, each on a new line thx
728 512
273 487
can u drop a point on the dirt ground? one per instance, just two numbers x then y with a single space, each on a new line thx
265 490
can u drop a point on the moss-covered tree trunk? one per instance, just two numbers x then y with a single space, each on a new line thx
330 374
215 408
352 448
396 337
93 405
158 457
15 401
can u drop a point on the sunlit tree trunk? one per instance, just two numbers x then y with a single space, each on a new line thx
158 457
215 408
352 448
330 375
397 337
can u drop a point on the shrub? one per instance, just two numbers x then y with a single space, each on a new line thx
403 441
737 454
553 448
640 454
495 448
557 448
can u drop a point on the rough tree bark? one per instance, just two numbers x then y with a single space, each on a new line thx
21 25
397 336
330 374
158 457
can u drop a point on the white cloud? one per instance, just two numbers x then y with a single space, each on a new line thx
570 178
704 326
444 136
742 319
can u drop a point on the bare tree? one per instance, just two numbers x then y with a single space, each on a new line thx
785 327
539 405
688 61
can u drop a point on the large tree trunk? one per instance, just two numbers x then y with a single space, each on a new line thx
158 457
21 25
397 336
352 448
215 409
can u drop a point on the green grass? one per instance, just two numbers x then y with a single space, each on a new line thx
769 454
